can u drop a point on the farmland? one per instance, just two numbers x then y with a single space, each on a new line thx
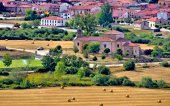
156 72
85 96
27 44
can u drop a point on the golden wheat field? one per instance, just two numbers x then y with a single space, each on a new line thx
30 44
157 73
85 96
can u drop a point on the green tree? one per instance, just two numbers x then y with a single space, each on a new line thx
57 51
25 25
7 60
106 50
59 70
157 52
35 23
31 15
103 70
48 63
129 65
105 16
119 52
119 57
75 49
93 47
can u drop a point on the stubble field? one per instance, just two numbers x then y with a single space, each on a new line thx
85 96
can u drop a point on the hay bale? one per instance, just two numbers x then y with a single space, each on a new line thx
127 96
159 101
32 42
73 98
101 104
69 100
6 39
111 90
104 89
25 39
48 44
62 87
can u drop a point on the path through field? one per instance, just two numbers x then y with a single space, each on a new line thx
85 96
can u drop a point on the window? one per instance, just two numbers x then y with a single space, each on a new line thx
118 45
104 45
78 44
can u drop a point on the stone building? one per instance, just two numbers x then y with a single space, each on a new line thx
113 40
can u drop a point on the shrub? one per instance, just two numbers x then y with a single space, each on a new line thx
100 80
147 82
113 81
161 83
84 72
103 57
121 79
103 70
71 70
127 82
165 64
94 58
129 65
107 50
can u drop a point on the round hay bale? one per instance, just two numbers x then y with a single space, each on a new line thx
6 39
62 87
101 104
25 39
32 42
69 100
73 98
111 90
159 101
127 96
48 44
104 89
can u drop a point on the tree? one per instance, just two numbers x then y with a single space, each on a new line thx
105 16
48 63
129 65
35 23
57 51
25 25
31 15
75 49
106 50
119 57
93 47
103 70
17 76
157 52
84 72
59 70
7 60
86 22
119 52
100 80
147 82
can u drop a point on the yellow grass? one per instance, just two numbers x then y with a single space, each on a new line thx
13 21
157 73
85 96
27 44
146 46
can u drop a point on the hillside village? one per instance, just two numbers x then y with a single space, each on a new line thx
139 13
84 52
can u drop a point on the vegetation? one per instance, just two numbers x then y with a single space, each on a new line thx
37 34
7 60
129 65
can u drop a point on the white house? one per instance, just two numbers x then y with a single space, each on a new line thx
66 14
164 15
53 21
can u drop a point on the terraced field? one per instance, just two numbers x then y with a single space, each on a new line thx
85 96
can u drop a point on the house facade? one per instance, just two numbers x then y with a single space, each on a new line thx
113 40
53 21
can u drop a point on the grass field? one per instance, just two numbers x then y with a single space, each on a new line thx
157 73
85 96
21 63
27 44
13 21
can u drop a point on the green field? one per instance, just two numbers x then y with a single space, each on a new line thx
22 63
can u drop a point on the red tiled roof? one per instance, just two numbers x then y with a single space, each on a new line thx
130 44
83 7
113 32
154 19
121 40
53 18
91 38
